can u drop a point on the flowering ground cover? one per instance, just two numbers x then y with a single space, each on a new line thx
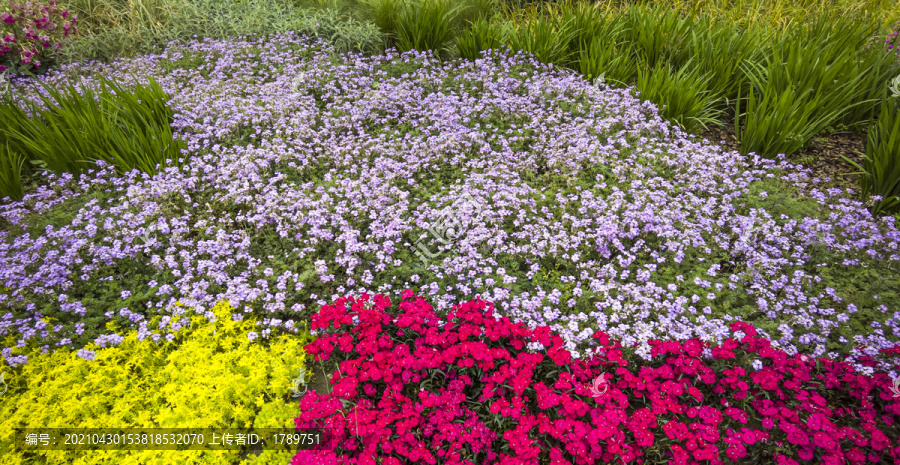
412 387
312 175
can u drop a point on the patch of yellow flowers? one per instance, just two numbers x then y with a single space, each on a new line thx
211 376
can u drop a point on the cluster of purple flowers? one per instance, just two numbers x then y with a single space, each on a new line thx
595 213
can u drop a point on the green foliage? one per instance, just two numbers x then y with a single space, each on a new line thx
545 36
109 30
682 95
474 10
720 48
801 96
658 32
344 33
129 129
616 62
384 15
425 26
210 376
881 173
483 35
11 163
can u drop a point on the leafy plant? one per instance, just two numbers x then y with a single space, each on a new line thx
657 32
425 26
344 33
616 62
483 35
720 49
11 163
545 37
880 174
801 96
129 129
384 14
683 95
32 34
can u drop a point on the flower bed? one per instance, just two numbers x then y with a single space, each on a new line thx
314 175
474 388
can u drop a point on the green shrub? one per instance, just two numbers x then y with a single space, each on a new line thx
108 29
344 33
129 129
881 174
546 37
721 48
384 14
681 95
473 10
658 32
425 26
483 35
11 163
210 376
616 62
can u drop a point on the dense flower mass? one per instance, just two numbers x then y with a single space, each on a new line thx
312 175
409 390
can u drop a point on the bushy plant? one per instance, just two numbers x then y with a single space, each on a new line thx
384 14
658 32
11 164
32 33
682 95
344 33
546 37
615 62
212 375
111 30
483 35
426 25
72 128
801 97
880 174
474 388
721 48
